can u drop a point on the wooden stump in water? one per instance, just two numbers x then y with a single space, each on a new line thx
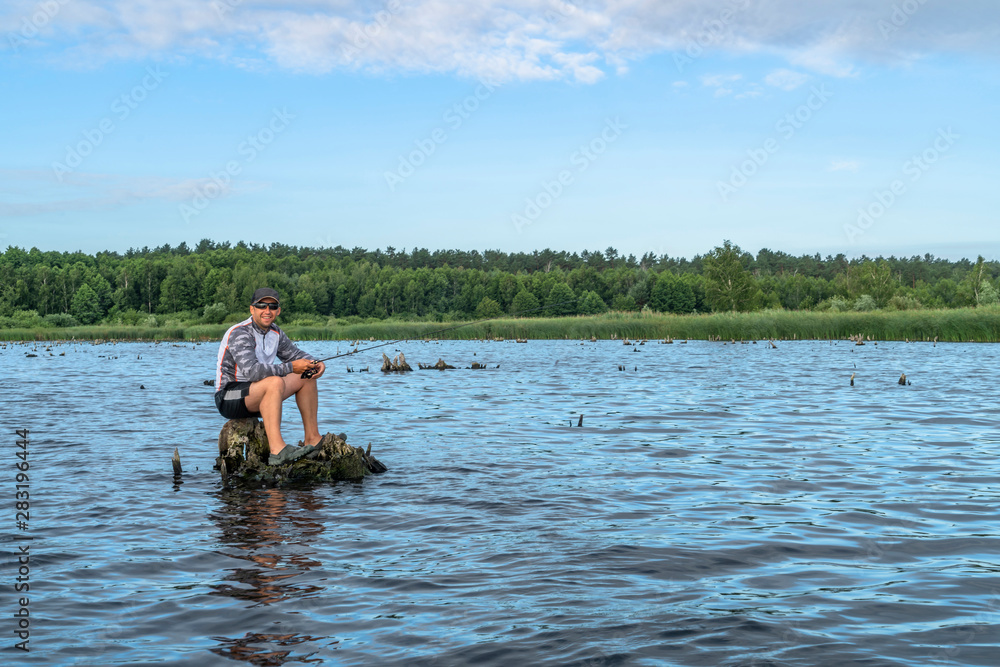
395 365
439 366
244 451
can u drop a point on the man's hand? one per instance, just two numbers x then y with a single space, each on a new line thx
301 365
313 369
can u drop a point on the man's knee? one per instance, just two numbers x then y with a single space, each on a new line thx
269 385
293 384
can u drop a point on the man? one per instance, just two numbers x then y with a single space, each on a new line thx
258 368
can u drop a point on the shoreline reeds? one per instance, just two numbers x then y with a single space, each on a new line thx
948 325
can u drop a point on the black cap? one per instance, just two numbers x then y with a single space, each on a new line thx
263 293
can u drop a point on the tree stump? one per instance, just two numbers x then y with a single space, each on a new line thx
395 365
244 451
439 366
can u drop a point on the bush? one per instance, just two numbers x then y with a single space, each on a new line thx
561 301
306 321
988 295
27 319
488 308
215 313
61 320
623 303
671 294
129 318
591 303
904 303
151 321
839 304
865 303
525 304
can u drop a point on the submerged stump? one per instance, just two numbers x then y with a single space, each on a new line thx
243 454
396 365
439 366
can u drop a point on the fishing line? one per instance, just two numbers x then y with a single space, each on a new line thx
308 373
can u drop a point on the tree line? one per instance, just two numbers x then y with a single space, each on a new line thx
213 281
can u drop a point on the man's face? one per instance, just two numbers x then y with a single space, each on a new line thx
263 317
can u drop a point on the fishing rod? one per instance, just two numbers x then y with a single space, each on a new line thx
309 372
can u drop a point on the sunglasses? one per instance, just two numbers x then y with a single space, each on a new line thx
261 306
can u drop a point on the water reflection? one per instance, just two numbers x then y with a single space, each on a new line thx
248 649
273 531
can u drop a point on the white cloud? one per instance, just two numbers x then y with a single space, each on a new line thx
727 84
785 79
500 39
720 80
28 192
721 83
753 90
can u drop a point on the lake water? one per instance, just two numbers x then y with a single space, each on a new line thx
720 505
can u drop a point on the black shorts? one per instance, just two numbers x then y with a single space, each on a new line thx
231 401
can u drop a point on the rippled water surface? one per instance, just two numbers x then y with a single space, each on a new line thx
720 505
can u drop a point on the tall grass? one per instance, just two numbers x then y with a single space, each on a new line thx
95 333
963 324
206 332
967 324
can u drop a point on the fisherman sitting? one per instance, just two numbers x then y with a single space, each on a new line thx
258 368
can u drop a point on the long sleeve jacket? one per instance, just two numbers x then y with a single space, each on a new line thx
249 354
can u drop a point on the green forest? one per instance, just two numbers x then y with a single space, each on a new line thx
212 284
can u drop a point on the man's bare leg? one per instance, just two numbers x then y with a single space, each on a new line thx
265 397
307 398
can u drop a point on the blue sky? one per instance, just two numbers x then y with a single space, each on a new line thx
864 127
